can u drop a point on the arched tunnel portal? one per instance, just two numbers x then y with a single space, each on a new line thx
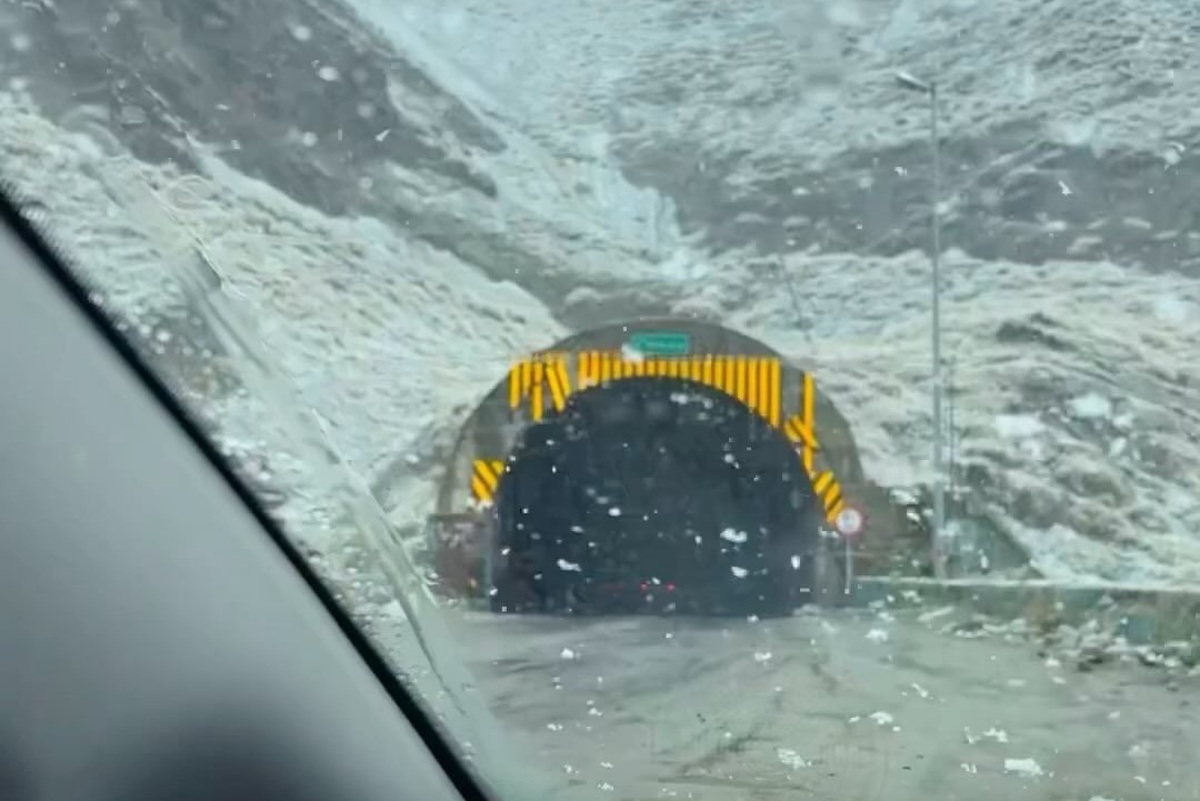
658 454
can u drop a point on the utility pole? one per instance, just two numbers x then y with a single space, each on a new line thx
929 89
952 439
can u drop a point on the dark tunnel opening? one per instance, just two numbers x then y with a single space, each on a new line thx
654 494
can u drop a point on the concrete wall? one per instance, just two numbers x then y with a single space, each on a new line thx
1140 614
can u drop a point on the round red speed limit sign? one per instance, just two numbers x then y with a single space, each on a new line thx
850 522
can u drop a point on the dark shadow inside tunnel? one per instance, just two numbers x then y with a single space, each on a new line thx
653 494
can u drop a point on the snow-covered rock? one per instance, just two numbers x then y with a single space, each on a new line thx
405 199
392 246
801 171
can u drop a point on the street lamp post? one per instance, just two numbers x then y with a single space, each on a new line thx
929 89
952 439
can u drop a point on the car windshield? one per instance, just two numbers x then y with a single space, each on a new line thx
690 399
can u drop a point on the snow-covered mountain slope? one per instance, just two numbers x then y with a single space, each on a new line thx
1074 389
1068 131
385 336
1075 402
1067 140
322 105
403 194
394 246
335 294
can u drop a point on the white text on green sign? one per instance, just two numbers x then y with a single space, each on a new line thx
661 343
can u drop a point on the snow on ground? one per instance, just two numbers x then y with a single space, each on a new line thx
1078 430
567 203
603 52
383 336
780 126
379 341
811 79
1076 413
1069 175
1061 451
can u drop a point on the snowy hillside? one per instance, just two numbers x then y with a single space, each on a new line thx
311 99
349 310
1074 397
1068 130
1074 386
400 200
1068 142
393 246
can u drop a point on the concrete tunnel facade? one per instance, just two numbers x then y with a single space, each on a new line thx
688 352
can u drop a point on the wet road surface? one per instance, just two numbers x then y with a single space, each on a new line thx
837 705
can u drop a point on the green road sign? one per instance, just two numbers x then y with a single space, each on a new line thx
661 343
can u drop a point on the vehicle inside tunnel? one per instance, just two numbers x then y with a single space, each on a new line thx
653 494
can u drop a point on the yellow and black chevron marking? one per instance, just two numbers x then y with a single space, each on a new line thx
485 477
547 378
538 379
829 491
800 428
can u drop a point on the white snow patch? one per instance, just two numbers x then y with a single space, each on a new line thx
349 311
1024 767
1091 406
1018 426
1172 309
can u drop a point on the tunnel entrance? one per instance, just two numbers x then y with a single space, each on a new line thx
654 494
